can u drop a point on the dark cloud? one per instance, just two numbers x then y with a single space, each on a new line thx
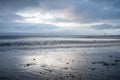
17 4
98 10
105 26
85 10
112 3
8 8
31 28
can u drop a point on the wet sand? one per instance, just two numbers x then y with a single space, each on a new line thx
70 60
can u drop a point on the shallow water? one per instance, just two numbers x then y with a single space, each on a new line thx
59 58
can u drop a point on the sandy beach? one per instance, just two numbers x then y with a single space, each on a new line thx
59 58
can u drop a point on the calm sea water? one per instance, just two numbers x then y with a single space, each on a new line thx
60 58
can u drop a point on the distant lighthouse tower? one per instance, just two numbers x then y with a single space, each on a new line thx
105 34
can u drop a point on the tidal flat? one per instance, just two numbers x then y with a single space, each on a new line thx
59 58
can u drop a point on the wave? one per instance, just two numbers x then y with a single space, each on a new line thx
57 42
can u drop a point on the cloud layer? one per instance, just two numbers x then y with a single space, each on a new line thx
60 16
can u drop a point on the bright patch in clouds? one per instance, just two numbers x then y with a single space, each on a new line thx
63 18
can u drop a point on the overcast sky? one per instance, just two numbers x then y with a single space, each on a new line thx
60 16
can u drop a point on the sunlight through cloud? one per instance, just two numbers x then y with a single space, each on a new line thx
59 19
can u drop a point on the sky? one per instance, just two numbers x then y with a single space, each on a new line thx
83 17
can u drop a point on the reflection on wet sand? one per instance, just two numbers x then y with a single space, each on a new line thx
71 65
52 65
60 59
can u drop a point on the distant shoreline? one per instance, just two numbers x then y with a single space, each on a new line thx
63 36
